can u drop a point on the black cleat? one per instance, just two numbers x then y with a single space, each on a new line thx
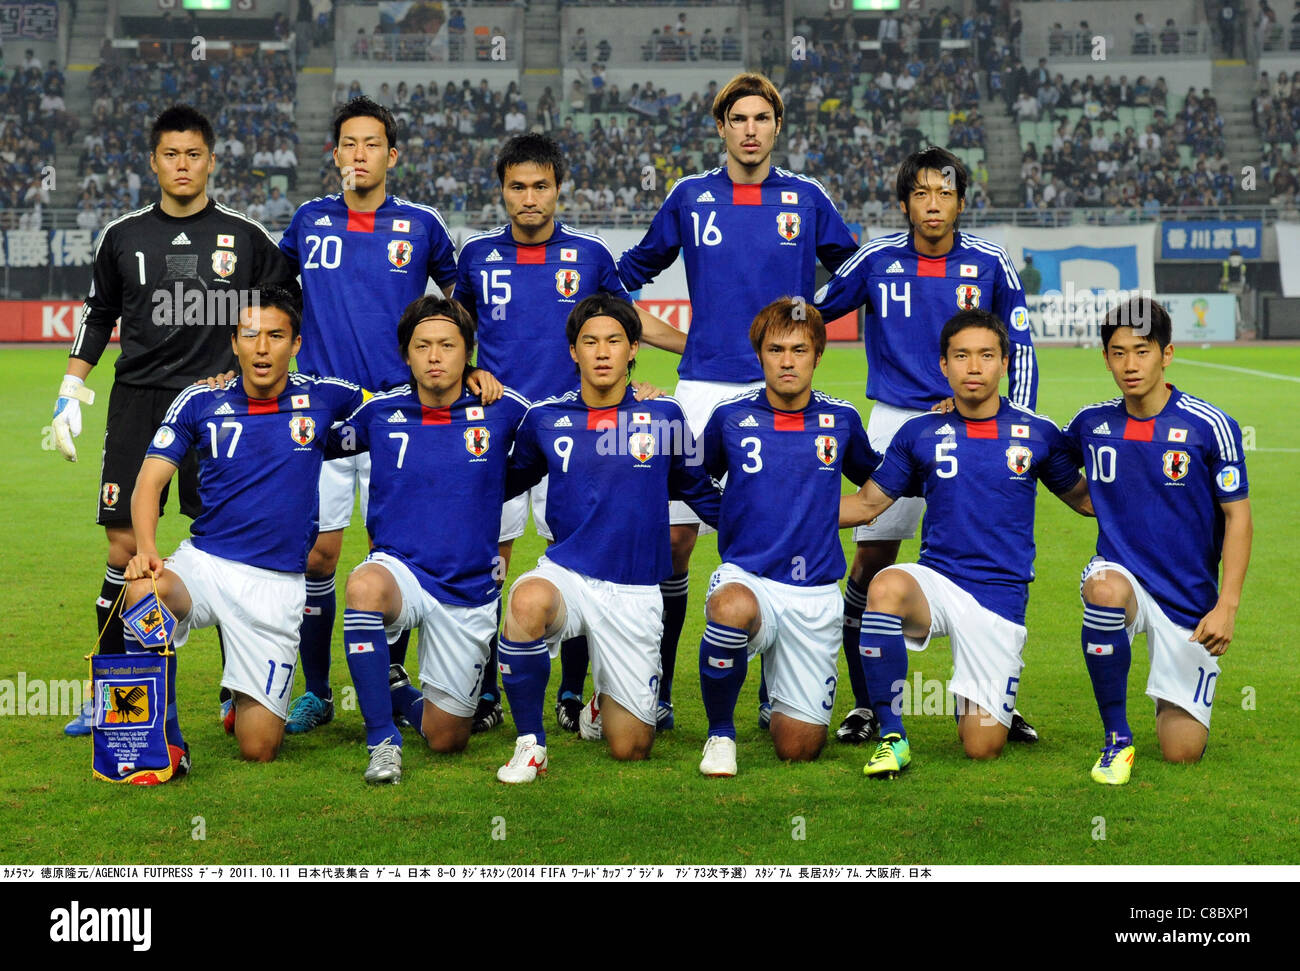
487 716
567 710
859 725
1021 730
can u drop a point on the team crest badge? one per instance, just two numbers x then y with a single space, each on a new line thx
476 440
126 704
302 429
787 224
827 449
223 263
566 282
968 297
1176 463
399 252
110 494
642 446
1019 459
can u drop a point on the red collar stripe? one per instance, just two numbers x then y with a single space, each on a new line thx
263 406
530 255
361 222
929 267
787 421
601 418
435 416
1139 431
982 429
746 195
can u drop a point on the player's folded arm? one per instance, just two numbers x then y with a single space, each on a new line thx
859 508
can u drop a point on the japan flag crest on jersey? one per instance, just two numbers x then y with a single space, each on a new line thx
223 263
827 449
1175 465
302 429
968 297
1019 459
566 282
476 440
787 224
399 252
642 446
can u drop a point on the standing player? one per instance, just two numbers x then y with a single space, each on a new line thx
260 440
910 283
782 450
175 272
363 257
437 482
520 281
978 468
1167 474
774 224
613 463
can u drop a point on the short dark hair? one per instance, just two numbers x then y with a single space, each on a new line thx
788 315
1147 318
181 117
276 296
604 305
365 108
533 147
436 305
975 318
935 158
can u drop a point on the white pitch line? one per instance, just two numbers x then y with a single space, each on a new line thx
1240 370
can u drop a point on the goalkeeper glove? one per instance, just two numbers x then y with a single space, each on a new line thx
67 414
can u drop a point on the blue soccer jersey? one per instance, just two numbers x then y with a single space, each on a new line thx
1156 485
437 482
780 509
259 463
521 296
359 271
979 480
744 246
612 472
909 297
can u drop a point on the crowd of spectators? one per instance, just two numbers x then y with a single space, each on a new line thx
1276 113
32 119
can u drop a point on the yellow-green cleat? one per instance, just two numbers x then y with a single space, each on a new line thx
891 757
1115 765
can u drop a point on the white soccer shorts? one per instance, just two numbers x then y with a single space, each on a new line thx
514 514
799 638
259 612
1183 672
987 649
454 641
900 520
339 480
698 399
623 624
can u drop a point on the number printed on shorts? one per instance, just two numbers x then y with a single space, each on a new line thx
270 677
1013 685
1205 682
829 703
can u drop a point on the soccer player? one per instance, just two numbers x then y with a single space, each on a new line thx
260 439
910 284
520 281
782 450
977 468
776 225
363 256
1167 474
176 273
614 463
437 482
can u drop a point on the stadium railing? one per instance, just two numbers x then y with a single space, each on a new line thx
1130 45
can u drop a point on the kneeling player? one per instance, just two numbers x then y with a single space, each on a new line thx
437 482
613 463
1168 479
261 440
977 468
782 449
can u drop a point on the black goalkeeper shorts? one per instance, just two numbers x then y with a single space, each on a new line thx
134 414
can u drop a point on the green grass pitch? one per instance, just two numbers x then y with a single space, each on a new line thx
1033 805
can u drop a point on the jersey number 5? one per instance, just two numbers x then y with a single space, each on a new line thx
946 464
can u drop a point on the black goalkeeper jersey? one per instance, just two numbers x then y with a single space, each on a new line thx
177 284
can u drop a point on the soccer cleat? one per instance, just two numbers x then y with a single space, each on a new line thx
308 711
1021 730
1115 765
567 710
180 759
664 716
84 720
719 757
487 716
891 757
589 725
228 716
764 715
528 761
385 763
859 726
397 677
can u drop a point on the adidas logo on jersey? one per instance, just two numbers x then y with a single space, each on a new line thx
705 196
895 267
493 257
225 409
563 422
1102 429
396 418
749 422
323 221
181 240
944 429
